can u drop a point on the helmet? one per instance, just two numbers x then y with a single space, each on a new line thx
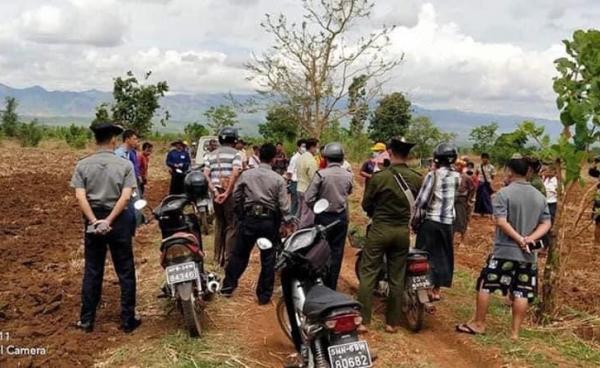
228 135
445 154
334 152
196 185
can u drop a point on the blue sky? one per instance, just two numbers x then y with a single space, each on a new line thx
483 56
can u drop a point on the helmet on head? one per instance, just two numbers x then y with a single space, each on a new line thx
196 185
228 135
334 152
445 154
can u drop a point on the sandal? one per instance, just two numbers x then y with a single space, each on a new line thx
466 329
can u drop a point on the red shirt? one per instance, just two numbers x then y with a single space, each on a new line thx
143 161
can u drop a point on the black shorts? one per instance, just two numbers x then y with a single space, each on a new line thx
518 278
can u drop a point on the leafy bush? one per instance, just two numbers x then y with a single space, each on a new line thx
77 137
194 131
30 135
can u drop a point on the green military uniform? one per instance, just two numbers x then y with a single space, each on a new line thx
390 211
538 184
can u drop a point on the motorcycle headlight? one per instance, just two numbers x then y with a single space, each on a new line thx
300 240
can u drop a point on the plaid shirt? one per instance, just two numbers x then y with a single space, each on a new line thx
441 207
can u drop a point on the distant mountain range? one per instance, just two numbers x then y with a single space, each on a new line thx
64 107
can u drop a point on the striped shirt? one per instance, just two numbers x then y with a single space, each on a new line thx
221 163
441 207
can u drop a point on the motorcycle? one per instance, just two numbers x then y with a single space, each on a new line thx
182 258
327 320
417 284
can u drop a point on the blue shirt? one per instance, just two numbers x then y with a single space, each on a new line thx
179 160
130 155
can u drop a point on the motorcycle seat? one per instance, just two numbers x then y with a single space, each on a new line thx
321 299
179 238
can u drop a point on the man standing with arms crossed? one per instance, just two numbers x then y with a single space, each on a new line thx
222 168
103 185
387 203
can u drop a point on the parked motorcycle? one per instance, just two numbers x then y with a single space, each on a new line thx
417 284
327 320
182 254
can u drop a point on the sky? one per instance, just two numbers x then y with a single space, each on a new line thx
480 56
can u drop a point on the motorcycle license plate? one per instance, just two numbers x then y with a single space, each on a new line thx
181 273
351 355
420 282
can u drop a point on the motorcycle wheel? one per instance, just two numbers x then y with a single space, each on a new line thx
414 310
282 318
191 316
204 223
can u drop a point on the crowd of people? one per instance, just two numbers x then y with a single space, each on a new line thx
258 193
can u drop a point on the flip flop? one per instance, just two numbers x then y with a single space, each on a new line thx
466 329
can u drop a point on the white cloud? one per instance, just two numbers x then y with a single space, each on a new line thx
86 22
447 68
457 55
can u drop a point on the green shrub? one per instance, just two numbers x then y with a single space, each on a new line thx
30 135
77 137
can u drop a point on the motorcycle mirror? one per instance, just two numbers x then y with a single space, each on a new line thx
264 244
140 204
321 206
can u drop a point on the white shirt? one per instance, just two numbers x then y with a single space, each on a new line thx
551 185
253 162
293 166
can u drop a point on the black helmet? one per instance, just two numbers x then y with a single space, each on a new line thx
228 135
196 185
445 154
334 152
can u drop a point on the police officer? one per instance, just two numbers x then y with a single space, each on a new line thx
103 185
261 201
333 183
222 168
387 203
178 161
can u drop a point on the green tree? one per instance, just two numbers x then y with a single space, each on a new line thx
312 62
358 106
102 114
31 134
507 144
392 117
194 131
135 104
10 119
77 137
578 99
220 117
483 137
426 135
281 125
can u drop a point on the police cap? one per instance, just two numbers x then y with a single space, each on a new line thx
105 131
399 145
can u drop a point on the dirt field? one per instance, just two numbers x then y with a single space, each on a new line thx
41 266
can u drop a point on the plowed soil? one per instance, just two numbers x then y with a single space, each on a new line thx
41 260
